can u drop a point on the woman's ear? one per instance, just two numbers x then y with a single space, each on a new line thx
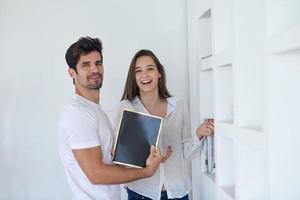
159 75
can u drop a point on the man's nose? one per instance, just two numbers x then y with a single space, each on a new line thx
95 68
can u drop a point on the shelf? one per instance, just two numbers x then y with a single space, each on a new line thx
250 137
225 129
246 136
223 59
281 14
229 190
222 24
212 177
203 7
251 172
229 122
223 94
206 63
204 40
206 96
285 41
209 185
225 158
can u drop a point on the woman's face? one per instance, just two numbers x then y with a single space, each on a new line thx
146 74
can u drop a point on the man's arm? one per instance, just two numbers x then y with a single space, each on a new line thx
90 161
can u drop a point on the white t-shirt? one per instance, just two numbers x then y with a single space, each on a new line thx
83 124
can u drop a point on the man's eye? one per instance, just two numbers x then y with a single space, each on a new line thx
99 63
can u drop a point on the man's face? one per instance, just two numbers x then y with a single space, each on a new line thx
89 71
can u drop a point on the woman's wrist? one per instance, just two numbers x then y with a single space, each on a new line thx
200 137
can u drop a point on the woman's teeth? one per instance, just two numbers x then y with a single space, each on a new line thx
146 81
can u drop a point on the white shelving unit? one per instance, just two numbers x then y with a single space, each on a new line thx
249 85
283 72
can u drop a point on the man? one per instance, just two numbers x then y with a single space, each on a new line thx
85 134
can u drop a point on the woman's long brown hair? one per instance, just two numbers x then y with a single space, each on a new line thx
131 89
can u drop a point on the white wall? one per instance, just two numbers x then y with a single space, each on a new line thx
34 84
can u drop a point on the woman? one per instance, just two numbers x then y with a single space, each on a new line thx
145 91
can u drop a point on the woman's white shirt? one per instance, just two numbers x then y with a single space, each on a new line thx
174 174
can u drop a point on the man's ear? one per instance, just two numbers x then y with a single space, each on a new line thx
72 73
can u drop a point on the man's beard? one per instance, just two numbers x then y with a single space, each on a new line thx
95 86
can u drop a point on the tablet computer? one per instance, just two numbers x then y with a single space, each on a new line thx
136 133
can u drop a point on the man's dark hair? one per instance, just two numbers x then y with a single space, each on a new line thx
83 46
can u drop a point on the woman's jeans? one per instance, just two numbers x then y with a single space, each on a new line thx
135 196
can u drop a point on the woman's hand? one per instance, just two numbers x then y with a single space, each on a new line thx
168 154
205 129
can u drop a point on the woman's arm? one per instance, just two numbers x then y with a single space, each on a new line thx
193 143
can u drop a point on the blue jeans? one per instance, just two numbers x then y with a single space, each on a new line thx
135 196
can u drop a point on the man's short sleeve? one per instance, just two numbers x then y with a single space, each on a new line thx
81 128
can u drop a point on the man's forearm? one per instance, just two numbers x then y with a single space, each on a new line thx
116 174
90 161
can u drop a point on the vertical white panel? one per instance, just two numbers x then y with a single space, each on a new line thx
34 83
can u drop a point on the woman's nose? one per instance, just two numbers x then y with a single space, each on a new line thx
144 73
